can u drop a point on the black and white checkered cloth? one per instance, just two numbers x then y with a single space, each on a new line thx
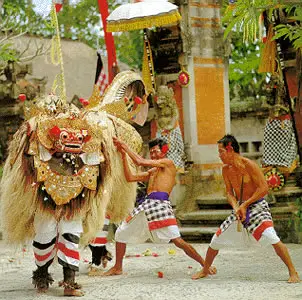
176 146
259 212
280 148
155 210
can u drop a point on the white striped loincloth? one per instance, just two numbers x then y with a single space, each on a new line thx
260 218
159 213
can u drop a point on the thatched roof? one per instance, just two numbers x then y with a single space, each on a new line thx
79 64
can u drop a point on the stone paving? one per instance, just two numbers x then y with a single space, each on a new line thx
247 274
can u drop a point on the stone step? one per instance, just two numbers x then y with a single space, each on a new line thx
287 194
200 234
283 210
214 216
206 214
204 217
198 230
218 202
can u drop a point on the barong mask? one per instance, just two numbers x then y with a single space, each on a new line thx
77 144
68 140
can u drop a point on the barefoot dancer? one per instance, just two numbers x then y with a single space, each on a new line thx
244 180
154 217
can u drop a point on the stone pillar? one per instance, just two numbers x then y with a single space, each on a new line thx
206 106
206 99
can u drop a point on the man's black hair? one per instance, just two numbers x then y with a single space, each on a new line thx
229 139
158 142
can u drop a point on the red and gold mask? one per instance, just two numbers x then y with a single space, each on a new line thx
68 140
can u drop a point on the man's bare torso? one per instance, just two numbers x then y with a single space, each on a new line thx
235 175
162 179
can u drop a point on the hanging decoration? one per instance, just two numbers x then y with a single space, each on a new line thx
183 78
274 179
268 57
58 5
58 87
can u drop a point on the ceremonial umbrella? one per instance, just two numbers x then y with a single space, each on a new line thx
141 15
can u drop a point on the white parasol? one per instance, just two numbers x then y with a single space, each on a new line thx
143 14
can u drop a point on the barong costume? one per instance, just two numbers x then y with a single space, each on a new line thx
101 236
64 173
99 253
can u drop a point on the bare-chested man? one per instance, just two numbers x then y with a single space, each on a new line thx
154 217
245 188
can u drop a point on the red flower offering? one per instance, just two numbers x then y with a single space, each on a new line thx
22 97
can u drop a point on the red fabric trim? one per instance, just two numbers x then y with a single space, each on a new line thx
128 219
218 232
281 118
259 230
68 252
42 257
100 240
163 223
109 40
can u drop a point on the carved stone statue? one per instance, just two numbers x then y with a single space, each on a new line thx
166 125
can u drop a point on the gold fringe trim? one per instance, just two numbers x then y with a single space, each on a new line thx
145 22
95 99
268 63
284 170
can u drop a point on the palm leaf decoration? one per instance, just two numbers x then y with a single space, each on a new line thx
246 16
292 31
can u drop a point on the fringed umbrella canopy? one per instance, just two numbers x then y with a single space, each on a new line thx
143 14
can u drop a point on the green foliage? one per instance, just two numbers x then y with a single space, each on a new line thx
9 21
245 81
298 215
7 53
129 48
20 16
299 212
244 16
242 21
292 31
79 21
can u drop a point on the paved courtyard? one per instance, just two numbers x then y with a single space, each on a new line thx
247 274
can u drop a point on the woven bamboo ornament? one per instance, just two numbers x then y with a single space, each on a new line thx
268 59
147 67
116 101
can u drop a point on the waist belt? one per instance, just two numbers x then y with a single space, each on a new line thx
158 196
247 219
